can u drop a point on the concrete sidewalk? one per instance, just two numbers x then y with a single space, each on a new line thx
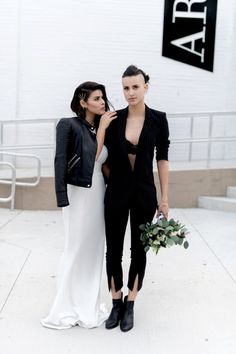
187 304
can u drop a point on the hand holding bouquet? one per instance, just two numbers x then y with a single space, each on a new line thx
163 233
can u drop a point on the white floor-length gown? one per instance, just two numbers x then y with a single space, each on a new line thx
77 299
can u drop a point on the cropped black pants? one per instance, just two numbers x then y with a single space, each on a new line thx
116 219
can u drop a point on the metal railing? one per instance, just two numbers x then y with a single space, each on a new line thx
13 151
210 139
18 122
190 140
38 167
13 180
11 197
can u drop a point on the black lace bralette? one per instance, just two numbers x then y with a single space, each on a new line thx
131 148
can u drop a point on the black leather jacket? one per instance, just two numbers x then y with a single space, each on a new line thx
76 147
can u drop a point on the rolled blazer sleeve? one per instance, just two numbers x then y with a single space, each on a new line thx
60 161
162 140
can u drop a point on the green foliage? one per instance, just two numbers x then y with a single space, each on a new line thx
163 233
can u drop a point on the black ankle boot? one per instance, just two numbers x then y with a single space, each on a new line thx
116 313
127 321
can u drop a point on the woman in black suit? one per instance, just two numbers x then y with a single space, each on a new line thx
132 139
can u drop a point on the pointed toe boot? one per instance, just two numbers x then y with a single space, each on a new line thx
115 315
127 321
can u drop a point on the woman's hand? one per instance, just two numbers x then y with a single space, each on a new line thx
163 208
106 119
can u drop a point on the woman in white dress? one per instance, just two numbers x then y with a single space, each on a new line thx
80 189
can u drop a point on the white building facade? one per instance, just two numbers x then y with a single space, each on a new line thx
51 46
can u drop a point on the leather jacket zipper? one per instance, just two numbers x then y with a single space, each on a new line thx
73 162
69 162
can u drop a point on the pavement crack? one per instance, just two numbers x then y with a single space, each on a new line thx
7 222
13 285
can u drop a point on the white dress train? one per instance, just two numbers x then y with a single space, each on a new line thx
77 300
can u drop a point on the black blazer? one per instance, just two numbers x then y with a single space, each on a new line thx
123 183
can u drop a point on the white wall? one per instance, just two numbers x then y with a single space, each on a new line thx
48 47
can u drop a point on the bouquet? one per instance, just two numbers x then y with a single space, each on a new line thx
163 233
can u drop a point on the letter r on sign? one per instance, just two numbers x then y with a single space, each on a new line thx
189 13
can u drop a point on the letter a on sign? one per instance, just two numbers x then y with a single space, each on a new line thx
189 32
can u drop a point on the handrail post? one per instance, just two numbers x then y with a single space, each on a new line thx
11 197
191 137
209 139
26 184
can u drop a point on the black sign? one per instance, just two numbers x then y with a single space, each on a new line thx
189 32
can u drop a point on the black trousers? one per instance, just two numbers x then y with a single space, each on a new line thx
116 218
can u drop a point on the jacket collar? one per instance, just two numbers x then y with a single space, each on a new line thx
90 127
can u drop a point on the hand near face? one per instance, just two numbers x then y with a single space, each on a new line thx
106 119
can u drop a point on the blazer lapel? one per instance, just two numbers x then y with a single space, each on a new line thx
121 128
121 134
146 125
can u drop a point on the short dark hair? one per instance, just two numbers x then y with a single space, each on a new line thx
132 70
82 92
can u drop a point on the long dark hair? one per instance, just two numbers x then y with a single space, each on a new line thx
132 70
82 92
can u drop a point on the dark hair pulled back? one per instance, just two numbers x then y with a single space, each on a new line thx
133 70
83 92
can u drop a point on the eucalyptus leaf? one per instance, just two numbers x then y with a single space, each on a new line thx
181 240
155 231
159 222
169 242
169 228
165 223
172 222
175 239
142 227
186 244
